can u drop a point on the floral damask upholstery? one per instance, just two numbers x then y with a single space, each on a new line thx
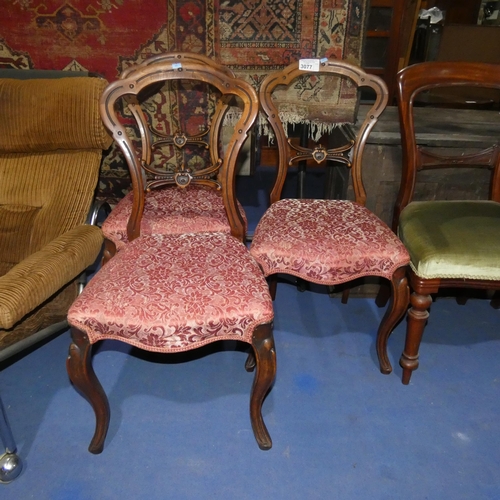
154 295
326 241
177 292
171 210
173 293
329 242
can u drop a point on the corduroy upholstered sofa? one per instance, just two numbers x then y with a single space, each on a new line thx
51 143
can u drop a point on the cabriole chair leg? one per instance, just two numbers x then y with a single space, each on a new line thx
398 304
272 282
81 373
265 372
250 362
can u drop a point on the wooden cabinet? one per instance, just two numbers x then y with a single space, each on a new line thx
389 35
458 11
382 39
391 26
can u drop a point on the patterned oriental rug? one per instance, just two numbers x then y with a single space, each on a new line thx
253 37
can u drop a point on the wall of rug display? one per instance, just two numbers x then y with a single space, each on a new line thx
253 37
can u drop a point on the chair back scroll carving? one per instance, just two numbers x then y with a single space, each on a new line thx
220 172
411 82
351 152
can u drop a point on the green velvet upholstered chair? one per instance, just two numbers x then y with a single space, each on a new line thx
452 243
51 142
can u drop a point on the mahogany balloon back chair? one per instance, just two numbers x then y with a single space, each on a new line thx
177 168
176 292
324 241
452 243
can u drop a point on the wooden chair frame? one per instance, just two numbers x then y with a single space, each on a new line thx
154 73
411 81
181 66
350 154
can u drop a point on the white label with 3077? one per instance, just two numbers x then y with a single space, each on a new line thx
309 64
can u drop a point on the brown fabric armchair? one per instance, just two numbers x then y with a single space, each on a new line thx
51 142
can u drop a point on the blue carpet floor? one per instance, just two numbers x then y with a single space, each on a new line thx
180 427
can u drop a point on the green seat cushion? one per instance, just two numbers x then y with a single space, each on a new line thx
453 239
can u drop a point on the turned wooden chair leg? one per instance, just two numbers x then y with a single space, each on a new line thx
265 356
417 318
81 373
398 304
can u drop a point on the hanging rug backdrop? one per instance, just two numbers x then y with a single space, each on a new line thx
253 37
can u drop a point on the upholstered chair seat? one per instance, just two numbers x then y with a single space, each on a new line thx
170 210
461 239
174 293
326 241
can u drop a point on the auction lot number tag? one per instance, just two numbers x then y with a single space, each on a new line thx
309 64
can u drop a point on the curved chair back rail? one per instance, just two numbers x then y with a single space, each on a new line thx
176 57
411 82
163 71
334 68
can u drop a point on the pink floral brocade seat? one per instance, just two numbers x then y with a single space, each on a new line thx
173 293
326 241
171 210
329 242
169 293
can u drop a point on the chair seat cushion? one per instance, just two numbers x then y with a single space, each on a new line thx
453 239
171 210
326 241
169 293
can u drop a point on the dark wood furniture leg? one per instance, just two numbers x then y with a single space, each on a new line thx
265 357
383 295
495 300
250 362
109 251
398 305
417 318
81 373
272 282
